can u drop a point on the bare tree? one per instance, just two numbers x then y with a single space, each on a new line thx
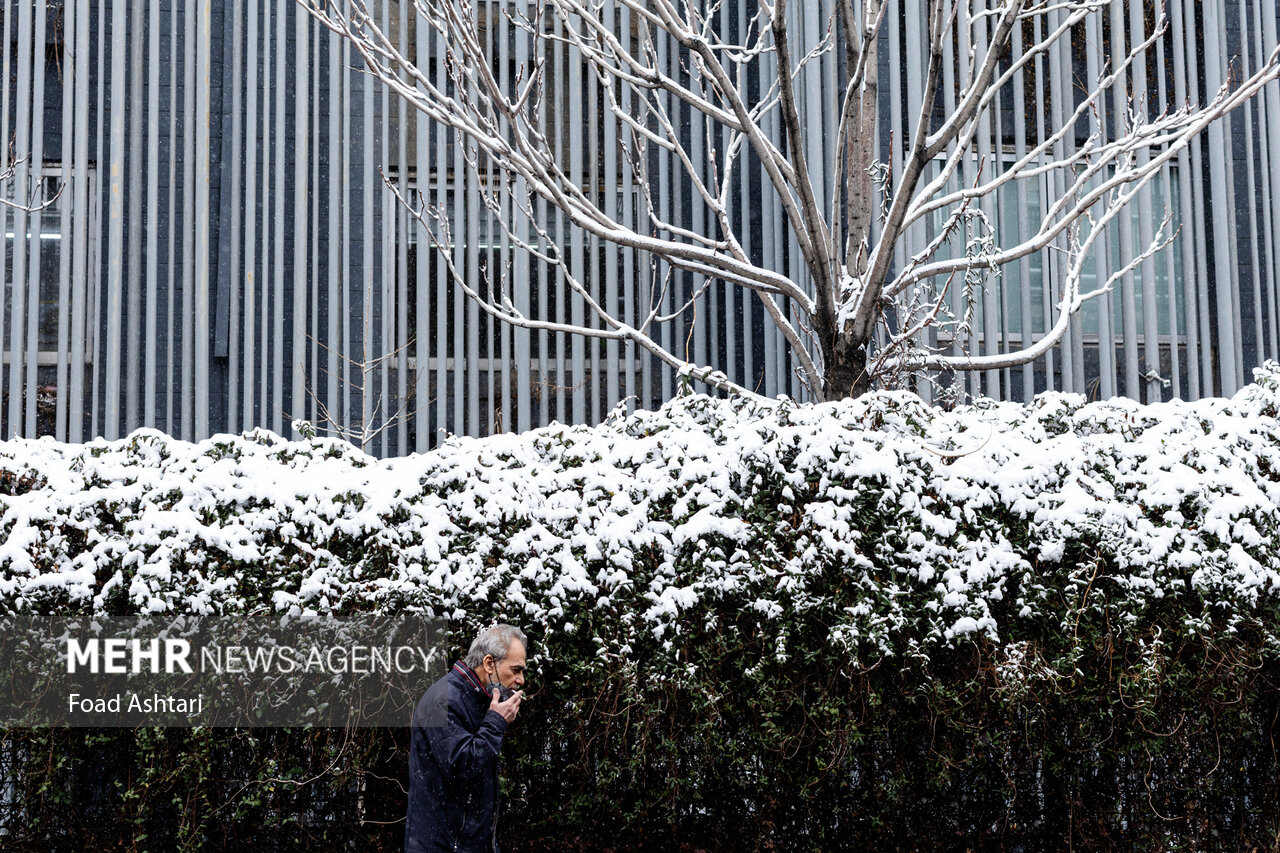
863 309
375 414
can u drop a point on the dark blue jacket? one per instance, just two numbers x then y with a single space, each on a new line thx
453 768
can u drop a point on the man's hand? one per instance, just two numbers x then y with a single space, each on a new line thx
509 708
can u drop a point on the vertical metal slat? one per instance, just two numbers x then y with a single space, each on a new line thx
80 206
301 260
237 150
1219 199
115 250
280 133
66 246
248 345
1095 58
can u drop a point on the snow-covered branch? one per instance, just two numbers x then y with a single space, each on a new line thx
36 199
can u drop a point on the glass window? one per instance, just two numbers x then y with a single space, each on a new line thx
1018 216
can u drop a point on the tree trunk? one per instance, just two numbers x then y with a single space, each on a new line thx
846 370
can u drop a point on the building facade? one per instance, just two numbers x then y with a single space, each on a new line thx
221 247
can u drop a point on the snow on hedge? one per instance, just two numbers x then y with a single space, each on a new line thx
909 524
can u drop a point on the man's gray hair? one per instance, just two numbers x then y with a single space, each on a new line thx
493 641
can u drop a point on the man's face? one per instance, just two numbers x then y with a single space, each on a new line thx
510 673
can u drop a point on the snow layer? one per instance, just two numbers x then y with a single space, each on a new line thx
888 513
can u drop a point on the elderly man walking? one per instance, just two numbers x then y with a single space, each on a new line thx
458 728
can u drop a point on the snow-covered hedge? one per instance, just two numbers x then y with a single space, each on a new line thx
984 623
939 523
